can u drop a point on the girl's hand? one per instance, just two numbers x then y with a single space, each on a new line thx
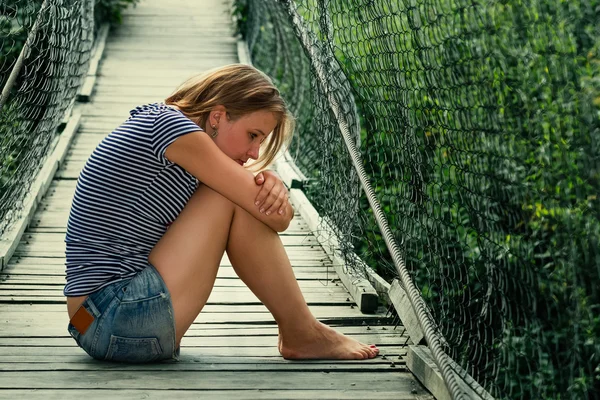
273 195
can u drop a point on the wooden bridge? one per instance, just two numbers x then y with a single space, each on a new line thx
230 352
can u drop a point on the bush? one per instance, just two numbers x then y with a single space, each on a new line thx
481 137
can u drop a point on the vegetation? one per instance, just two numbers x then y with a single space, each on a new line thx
481 136
111 10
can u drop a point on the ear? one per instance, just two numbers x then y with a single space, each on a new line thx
217 114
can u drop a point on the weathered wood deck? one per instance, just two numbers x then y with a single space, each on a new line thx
230 351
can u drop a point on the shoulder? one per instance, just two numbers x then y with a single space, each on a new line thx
159 116
155 110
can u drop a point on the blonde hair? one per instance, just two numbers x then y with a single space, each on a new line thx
241 89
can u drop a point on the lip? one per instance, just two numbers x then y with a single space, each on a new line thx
240 162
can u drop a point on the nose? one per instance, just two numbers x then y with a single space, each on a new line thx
253 152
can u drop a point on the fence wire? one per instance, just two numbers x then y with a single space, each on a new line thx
55 60
480 131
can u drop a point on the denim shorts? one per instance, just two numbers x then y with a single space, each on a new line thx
133 321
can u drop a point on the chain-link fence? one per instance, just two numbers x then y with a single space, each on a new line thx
479 131
44 54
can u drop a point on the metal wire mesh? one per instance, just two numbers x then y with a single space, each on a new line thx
57 36
480 131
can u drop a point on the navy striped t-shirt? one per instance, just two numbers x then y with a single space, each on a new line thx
127 195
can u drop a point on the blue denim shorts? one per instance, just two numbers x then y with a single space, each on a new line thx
133 321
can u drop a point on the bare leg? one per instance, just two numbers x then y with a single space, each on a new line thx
188 256
259 258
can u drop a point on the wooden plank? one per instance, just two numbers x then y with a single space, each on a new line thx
224 272
171 32
208 380
49 312
421 363
189 65
302 272
205 52
239 287
229 314
58 251
237 293
62 229
405 310
79 357
59 219
105 94
297 260
55 266
169 82
326 314
11 327
50 263
315 251
50 281
101 124
199 338
85 364
188 353
216 297
298 394
34 239
331 317
188 340
223 284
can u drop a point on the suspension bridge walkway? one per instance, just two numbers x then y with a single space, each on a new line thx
231 349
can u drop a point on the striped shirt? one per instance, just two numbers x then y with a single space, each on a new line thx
127 195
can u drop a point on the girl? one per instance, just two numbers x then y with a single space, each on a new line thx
159 202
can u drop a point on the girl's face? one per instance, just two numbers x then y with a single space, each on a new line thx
240 140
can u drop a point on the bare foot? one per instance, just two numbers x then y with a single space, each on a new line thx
324 343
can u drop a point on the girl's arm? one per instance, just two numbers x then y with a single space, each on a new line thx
200 156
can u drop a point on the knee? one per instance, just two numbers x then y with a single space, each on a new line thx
245 220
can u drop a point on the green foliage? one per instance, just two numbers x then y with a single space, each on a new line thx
111 10
239 14
10 149
15 20
481 137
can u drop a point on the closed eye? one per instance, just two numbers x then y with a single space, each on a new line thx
254 136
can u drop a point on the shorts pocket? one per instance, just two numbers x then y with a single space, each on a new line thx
86 340
133 350
74 333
